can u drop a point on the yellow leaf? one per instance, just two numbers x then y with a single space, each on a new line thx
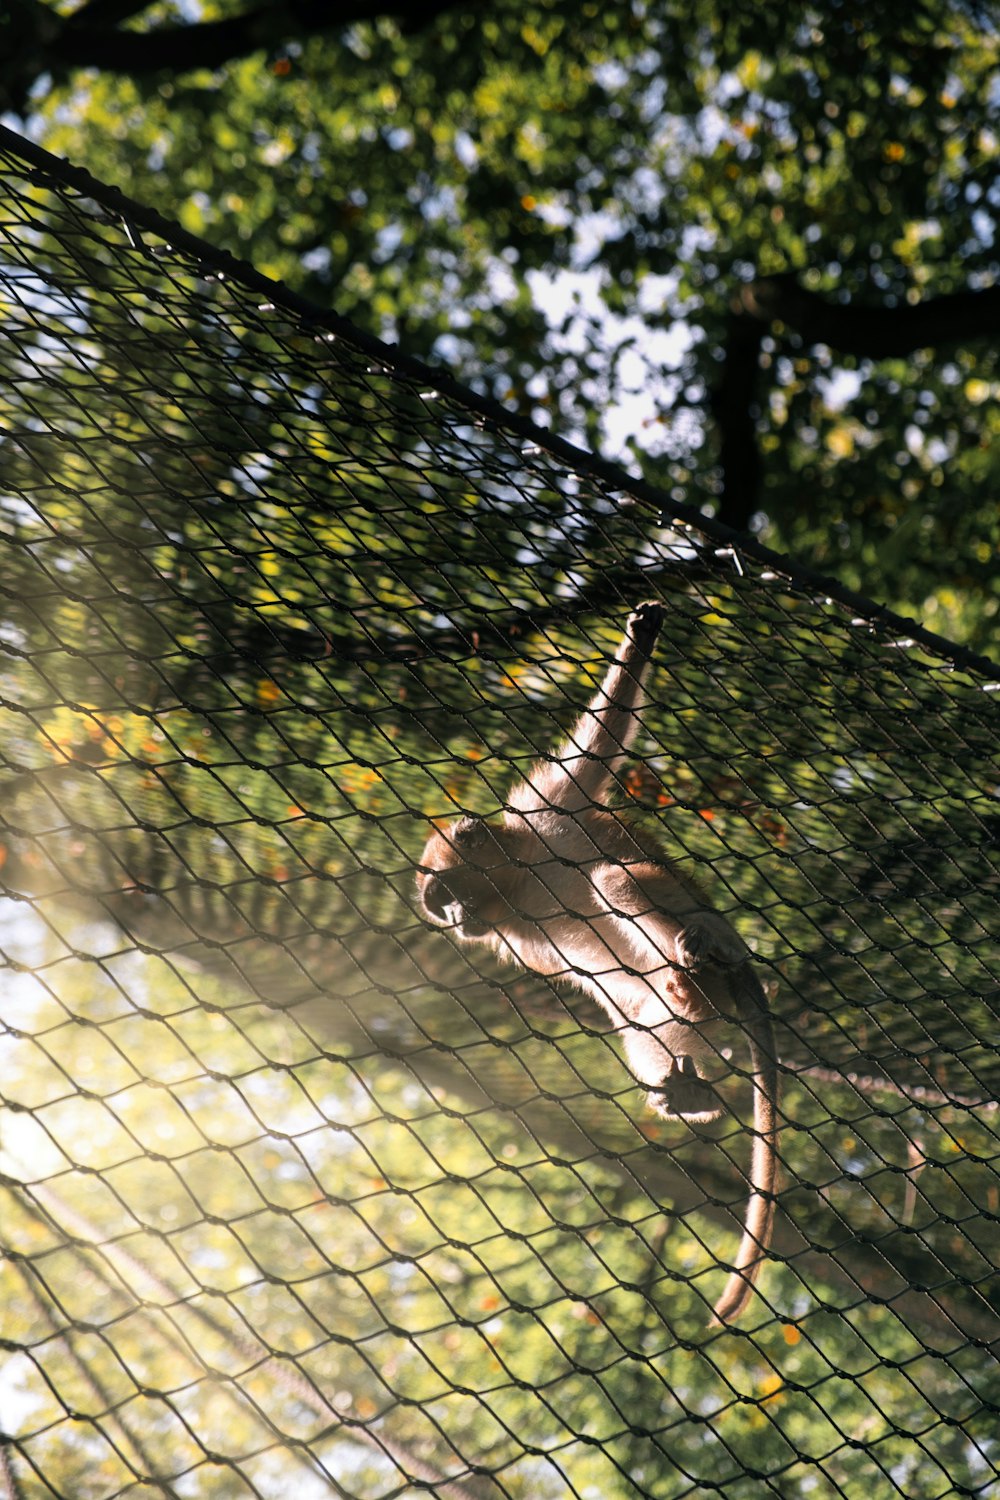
840 442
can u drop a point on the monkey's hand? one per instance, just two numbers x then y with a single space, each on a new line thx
685 1095
643 625
706 938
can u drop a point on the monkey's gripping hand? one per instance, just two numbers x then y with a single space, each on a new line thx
643 626
685 1095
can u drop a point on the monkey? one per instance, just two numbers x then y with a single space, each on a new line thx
566 887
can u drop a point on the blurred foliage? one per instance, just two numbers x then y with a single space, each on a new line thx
238 1245
557 200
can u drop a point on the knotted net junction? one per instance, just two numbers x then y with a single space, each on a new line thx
295 1197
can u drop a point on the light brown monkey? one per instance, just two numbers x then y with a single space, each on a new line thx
565 887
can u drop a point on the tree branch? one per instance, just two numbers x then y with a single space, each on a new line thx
89 38
95 13
868 331
735 409
861 329
35 39
234 645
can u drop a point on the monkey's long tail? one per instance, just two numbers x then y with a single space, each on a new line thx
758 1225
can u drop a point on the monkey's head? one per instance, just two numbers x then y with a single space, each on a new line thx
465 878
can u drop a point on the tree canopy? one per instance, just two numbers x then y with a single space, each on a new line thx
749 249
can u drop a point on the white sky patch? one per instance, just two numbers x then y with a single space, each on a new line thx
646 357
839 389
573 306
629 421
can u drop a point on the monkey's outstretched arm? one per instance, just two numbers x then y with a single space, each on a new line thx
578 775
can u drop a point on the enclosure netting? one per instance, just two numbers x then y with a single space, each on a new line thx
296 1198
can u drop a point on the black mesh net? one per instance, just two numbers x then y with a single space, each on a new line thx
297 1196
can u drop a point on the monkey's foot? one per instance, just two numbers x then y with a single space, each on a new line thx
644 624
684 1094
707 938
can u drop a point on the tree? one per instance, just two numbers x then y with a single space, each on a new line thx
676 236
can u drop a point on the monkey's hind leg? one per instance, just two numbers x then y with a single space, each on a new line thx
706 938
669 939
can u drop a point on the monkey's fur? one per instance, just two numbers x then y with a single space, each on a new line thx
565 887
